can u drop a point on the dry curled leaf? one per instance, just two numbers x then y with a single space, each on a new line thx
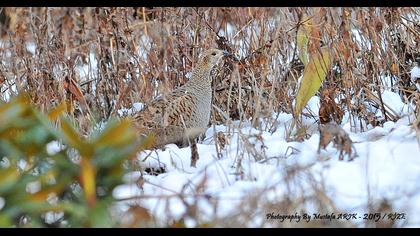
329 109
332 132
72 88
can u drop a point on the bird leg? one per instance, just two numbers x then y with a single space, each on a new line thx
194 152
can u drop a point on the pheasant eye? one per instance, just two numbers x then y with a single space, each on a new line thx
213 54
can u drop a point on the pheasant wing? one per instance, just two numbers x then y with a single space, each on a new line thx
172 109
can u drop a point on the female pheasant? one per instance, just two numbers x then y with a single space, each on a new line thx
183 114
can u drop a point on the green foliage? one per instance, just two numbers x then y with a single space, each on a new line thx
76 181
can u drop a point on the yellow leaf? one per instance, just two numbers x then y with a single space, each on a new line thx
313 75
44 194
302 39
57 111
88 173
117 134
70 135
8 177
147 142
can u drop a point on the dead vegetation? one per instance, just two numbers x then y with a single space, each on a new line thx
140 53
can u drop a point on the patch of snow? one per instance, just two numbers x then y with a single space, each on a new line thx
123 111
393 101
4 162
230 30
312 106
415 72
361 40
188 75
31 47
51 216
54 147
2 202
33 187
7 91
415 76
88 70
22 164
145 43
137 106
388 81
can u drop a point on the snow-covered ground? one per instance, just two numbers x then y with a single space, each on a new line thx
257 165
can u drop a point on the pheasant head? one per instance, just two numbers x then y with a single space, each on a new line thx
207 61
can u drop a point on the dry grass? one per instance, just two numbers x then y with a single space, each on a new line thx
141 53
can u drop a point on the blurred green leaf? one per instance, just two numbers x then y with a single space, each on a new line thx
70 136
8 178
57 111
116 134
5 220
73 176
100 216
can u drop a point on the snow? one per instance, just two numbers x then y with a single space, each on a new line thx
389 81
5 92
33 187
88 70
54 147
387 167
137 106
31 47
313 105
2 202
393 101
415 76
415 72
360 39
188 75
51 216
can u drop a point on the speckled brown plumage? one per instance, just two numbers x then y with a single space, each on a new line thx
185 112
